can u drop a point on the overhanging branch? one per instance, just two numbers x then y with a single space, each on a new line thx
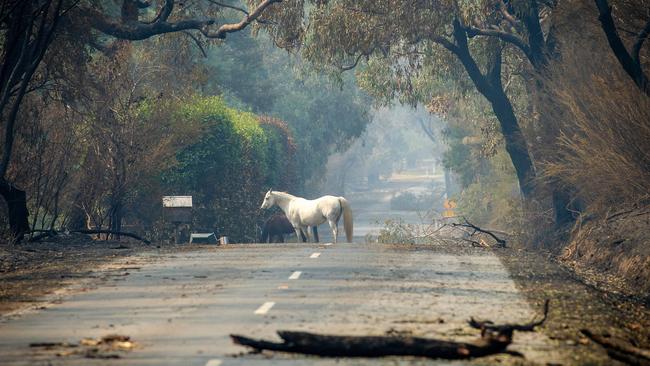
139 30
631 66
640 38
502 35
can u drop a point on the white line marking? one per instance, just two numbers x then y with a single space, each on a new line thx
264 308
327 244
214 362
315 255
295 275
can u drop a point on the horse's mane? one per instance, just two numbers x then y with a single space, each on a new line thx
283 194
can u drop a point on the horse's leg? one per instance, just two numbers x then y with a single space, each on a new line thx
299 233
334 227
315 231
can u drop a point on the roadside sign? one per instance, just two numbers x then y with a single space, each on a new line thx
449 205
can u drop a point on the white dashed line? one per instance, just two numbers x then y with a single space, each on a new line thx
327 244
315 255
264 308
214 362
295 275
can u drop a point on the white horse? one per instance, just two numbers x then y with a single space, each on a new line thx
303 213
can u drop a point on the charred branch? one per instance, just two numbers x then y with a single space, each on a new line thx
490 343
487 325
53 233
620 350
467 224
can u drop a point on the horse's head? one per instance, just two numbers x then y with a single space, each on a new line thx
269 200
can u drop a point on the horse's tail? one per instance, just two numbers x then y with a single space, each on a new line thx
347 218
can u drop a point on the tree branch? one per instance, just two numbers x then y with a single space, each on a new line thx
468 224
354 64
135 31
507 15
197 42
640 38
504 36
229 6
234 27
536 43
627 61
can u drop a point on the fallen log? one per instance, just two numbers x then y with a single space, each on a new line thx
120 233
494 340
620 350
375 346
53 233
43 234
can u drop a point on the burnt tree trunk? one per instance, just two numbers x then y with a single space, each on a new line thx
629 60
489 85
17 209
29 30
116 219
516 144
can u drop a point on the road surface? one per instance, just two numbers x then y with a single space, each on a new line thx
181 308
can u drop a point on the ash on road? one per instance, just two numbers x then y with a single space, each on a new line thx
181 309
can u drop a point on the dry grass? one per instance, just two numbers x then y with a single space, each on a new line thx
603 145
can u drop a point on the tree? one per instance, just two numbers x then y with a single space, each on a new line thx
408 35
629 60
29 27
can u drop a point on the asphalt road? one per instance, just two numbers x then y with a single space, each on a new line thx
180 308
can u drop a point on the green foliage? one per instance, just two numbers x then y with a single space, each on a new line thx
323 116
493 197
229 167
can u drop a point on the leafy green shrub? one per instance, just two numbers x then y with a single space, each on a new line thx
229 167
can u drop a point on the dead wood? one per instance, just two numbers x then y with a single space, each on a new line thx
487 325
491 342
43 234
53 233
467 224
620 350
112 232
375 346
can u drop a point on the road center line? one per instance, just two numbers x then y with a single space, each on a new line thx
315 255
295 275
214 362
264 308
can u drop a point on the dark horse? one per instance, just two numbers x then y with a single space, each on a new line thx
278 225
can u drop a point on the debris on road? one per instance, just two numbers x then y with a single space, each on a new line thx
494 339
500 243
619 349
102 348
